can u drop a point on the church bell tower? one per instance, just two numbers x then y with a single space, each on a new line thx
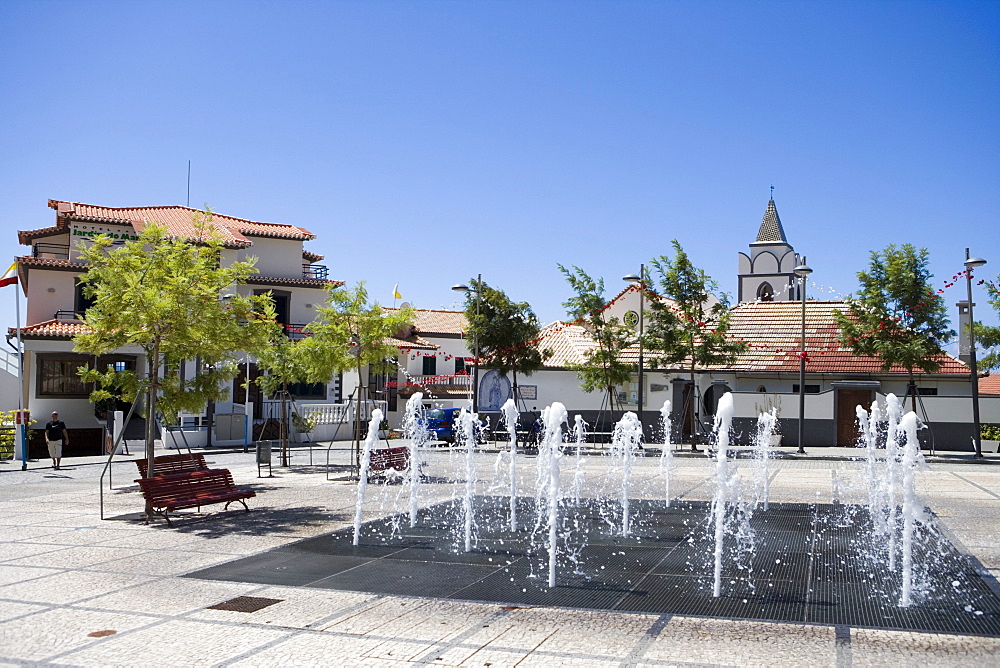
766 273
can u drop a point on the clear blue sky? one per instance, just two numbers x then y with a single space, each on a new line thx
426 142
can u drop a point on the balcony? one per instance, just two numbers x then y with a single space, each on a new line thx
51 251
317 271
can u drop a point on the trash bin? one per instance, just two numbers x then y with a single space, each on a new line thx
264 456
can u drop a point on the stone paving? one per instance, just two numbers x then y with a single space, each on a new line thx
76 590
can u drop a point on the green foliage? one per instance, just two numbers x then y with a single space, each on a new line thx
349 317
8 433
504 331
896 315
988 336
603 368
990 432
303 423
693 329
163 295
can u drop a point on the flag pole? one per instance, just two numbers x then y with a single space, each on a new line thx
20 372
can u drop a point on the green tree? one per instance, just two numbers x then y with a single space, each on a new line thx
505 332
352 333
603 368
163 295
284 361
896 315
692 330
988 336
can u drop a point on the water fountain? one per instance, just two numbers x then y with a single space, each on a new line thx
580 434
625 439
509 416
550 453
366 453
723 424
414 430
666 455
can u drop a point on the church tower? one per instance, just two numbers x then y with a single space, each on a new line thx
766 273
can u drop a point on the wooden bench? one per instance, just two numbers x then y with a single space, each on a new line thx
192 490
172 464
380 461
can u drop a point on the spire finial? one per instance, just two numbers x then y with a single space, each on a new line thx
772 191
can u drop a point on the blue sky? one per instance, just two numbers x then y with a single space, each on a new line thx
426 142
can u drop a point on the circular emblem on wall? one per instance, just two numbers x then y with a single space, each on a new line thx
631 319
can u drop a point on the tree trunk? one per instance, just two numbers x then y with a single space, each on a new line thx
283 432
913 397
153 374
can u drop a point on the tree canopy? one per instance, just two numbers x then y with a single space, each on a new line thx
988 336
603 368
171 298
505 332
692 330
896 315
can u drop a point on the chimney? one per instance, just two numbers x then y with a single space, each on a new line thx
964 350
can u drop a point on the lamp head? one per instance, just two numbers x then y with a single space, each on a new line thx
631 278
802 270
461 287
974 262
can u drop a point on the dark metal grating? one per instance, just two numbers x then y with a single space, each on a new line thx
245 604
808 565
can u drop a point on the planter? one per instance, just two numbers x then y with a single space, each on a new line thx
990 446
775 440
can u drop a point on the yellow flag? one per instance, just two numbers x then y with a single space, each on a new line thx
395 292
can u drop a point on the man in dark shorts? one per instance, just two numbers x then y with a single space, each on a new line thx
56 437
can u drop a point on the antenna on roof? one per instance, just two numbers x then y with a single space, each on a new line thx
772 185
189 185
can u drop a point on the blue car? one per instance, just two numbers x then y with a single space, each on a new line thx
440 422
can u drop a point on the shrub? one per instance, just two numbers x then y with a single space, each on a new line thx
989 432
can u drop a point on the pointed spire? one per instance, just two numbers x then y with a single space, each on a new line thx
770 227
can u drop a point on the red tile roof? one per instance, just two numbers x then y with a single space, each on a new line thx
990 384
176 219
257 279
773 332
430 322
50 263
51 329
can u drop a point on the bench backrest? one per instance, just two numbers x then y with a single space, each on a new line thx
187 485
172 464
397 458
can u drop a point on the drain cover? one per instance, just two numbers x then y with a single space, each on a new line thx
245 604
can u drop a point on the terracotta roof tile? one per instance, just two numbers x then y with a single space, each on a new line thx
430 322
412 342
50 263
51 329
990 384
176 219
257 279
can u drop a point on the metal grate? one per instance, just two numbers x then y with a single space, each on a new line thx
245 604
805 568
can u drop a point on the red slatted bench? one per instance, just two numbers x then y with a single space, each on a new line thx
192 490
172 464
382 460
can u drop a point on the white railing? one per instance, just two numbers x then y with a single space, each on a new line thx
8 363
456 380
338 413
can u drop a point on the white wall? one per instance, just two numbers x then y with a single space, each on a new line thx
276 257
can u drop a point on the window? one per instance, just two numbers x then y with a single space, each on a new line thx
459 365
927 391
81 303
765 292
430 365
810 389
58 377
307 390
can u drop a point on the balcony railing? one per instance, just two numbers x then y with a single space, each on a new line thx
456 381
318 271
295 331
51 251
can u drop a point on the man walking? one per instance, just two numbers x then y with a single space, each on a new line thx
56 437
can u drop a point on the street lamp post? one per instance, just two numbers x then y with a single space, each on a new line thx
970 264
640 281
802 271
461 287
